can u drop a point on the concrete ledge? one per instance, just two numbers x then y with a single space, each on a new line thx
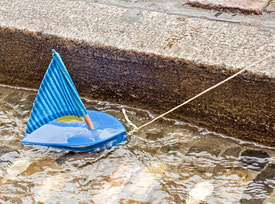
146 58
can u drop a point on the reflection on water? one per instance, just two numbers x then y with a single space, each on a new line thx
168 162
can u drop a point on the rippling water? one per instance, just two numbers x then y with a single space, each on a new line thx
168 162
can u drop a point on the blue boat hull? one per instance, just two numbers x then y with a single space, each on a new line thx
75 135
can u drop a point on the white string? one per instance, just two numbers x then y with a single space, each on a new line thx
198 95
128 120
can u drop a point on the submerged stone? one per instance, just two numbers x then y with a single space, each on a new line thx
261 187
15 169
254 160
154 136
209 148
35 167
29 102
171 148
14 98
232 152
7 156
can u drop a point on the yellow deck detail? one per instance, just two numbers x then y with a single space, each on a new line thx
69 118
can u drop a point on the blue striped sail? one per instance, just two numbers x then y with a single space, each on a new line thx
57 97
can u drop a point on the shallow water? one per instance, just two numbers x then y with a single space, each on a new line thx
170 161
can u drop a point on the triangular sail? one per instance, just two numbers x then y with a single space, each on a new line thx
56 97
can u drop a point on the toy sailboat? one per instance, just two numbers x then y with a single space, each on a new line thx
57 116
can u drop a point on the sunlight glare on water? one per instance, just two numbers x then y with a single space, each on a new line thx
169 161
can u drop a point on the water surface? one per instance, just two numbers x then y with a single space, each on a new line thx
170 161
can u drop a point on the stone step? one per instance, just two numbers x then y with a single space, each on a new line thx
152 59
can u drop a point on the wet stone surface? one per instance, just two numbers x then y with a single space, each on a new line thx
239 171
248 6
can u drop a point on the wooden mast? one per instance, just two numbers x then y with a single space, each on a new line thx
89 121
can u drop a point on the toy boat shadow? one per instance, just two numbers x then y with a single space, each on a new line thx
76 136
